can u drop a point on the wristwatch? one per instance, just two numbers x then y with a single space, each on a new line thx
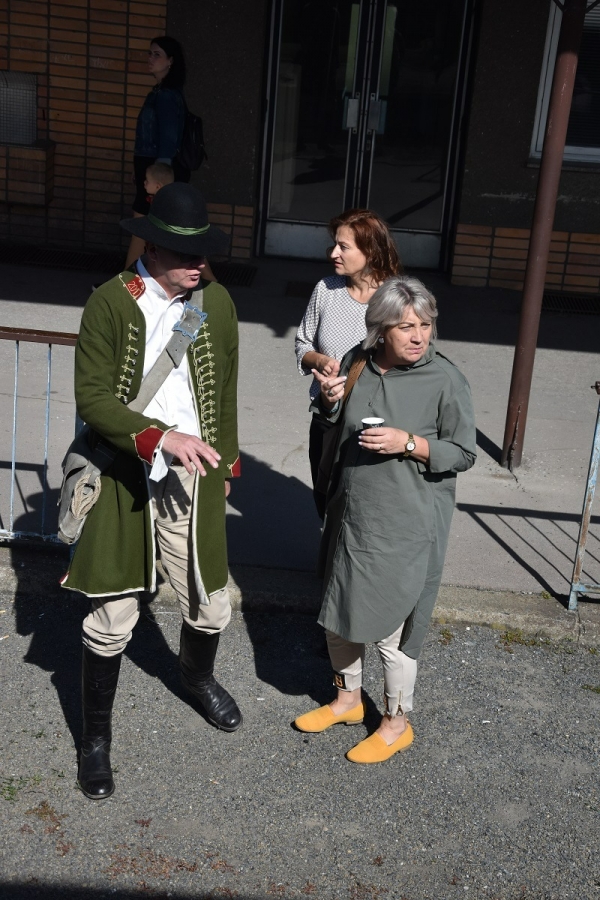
410 445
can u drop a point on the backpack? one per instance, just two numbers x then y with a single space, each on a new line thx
192 151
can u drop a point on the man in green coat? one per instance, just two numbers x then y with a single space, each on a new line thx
170 477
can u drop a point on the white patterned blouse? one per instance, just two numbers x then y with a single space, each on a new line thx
333 323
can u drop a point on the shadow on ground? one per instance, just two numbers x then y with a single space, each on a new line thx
39 891
282 289
273 520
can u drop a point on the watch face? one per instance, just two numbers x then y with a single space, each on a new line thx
410 446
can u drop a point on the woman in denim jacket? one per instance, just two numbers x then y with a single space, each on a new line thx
159 128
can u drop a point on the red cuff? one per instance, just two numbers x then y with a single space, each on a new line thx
235 469
146 442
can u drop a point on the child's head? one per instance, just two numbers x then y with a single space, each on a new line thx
157 175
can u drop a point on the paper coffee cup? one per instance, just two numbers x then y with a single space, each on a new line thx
373 422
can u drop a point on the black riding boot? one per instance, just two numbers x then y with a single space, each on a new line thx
197 652
99 676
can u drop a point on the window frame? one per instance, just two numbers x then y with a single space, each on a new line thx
572 154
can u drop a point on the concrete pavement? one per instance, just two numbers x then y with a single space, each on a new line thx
511 533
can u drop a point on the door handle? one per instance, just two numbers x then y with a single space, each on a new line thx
376 115
351 112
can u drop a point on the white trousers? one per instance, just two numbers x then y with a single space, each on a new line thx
399 670
108 626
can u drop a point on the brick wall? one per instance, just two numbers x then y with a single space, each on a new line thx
90 58
236 221
496 257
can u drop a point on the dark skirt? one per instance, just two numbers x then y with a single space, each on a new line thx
319 426
140 164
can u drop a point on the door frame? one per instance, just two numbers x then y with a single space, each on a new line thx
306 240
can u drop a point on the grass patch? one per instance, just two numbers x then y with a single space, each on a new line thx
591 687
510 638
10 787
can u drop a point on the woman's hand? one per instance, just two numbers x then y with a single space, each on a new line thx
332 389
326 365
391 442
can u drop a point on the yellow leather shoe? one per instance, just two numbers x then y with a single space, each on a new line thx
324 717
374 749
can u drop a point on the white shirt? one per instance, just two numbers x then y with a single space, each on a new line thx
334 322
174 402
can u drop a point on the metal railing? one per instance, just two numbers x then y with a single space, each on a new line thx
51 338
578 586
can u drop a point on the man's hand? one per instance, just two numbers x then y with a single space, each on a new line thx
190 450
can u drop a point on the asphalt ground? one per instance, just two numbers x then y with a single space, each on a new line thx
498 797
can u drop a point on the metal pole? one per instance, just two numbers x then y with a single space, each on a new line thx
541 230
577 586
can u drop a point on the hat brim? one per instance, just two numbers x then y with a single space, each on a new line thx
212 241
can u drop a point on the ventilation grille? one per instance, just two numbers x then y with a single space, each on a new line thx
581 304
240 274
18 108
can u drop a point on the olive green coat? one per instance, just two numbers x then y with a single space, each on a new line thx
388 518
115 553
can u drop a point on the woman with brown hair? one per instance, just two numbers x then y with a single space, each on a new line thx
364 256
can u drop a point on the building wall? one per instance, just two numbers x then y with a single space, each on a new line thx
499 182
90 59
225 48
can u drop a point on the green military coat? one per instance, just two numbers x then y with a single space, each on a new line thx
388 518
115 553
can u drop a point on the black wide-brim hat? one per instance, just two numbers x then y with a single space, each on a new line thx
178 221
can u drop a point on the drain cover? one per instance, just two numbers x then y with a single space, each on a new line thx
582 304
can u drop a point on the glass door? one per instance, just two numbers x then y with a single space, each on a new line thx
363 113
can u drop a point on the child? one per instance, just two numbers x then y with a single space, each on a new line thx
157 176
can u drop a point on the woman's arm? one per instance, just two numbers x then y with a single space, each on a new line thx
455 448
308 354
169 119
452 450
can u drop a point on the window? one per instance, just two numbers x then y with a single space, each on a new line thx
18 108
583 134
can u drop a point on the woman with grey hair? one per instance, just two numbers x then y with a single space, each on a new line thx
389 506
